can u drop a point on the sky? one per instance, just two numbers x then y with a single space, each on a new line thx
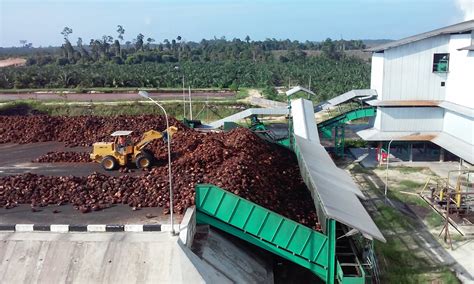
41 21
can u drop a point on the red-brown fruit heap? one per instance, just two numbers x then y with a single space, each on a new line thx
238 161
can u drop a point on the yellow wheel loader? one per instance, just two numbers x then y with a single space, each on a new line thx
122 152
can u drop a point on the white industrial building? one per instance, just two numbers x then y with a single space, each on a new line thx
425 88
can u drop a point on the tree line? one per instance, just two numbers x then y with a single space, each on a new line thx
144 49
221 63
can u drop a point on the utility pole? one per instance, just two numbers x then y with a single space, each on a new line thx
190 104
184 100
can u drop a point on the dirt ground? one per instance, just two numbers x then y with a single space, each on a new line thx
74 97
12 62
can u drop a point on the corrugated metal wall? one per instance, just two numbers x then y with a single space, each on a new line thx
459 126
376 74
460 86
408 71
411 118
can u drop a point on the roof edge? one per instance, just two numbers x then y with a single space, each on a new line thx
461 27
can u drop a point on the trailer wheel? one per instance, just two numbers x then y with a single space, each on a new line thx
109 163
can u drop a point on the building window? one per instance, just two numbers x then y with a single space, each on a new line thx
441 62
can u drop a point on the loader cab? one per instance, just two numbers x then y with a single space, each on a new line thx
122 142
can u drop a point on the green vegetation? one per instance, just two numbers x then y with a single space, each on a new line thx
408 170
330 77
406 267
355 143
404 258
400 258
272 94
242 93
434 219
218 63
210 112
410 185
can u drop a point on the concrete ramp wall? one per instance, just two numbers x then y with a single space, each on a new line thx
95 258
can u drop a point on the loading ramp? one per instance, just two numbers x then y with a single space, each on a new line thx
273 232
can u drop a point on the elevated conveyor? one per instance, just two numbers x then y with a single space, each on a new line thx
277 234
268 230
359 95
326 126
248 112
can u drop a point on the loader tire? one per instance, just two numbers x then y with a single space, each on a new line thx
109 163
144 160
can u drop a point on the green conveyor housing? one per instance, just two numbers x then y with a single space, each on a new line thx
326 126
273 232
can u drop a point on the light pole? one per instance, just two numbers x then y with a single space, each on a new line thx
147 96
386 171
184 93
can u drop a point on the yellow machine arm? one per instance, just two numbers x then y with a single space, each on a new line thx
152 135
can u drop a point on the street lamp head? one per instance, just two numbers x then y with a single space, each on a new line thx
144 94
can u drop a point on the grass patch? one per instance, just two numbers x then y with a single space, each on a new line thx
457 237
355 143
408 198
397 257
214 111
390 219
358 169
434 219
241 94
409 184
408 170
402 265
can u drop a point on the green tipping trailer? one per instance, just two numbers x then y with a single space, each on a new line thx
273 232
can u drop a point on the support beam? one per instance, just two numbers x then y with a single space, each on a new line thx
410 152
380 147
441 154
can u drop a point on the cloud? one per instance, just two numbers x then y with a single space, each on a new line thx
467 8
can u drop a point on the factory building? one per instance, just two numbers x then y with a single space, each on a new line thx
425 94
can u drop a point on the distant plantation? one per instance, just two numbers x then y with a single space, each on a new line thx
217 63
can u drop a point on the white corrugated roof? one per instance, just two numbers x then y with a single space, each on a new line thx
454 145
470 48
299 89
464 110
248 112
373 134
121 133
362 94
453 29
335 189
